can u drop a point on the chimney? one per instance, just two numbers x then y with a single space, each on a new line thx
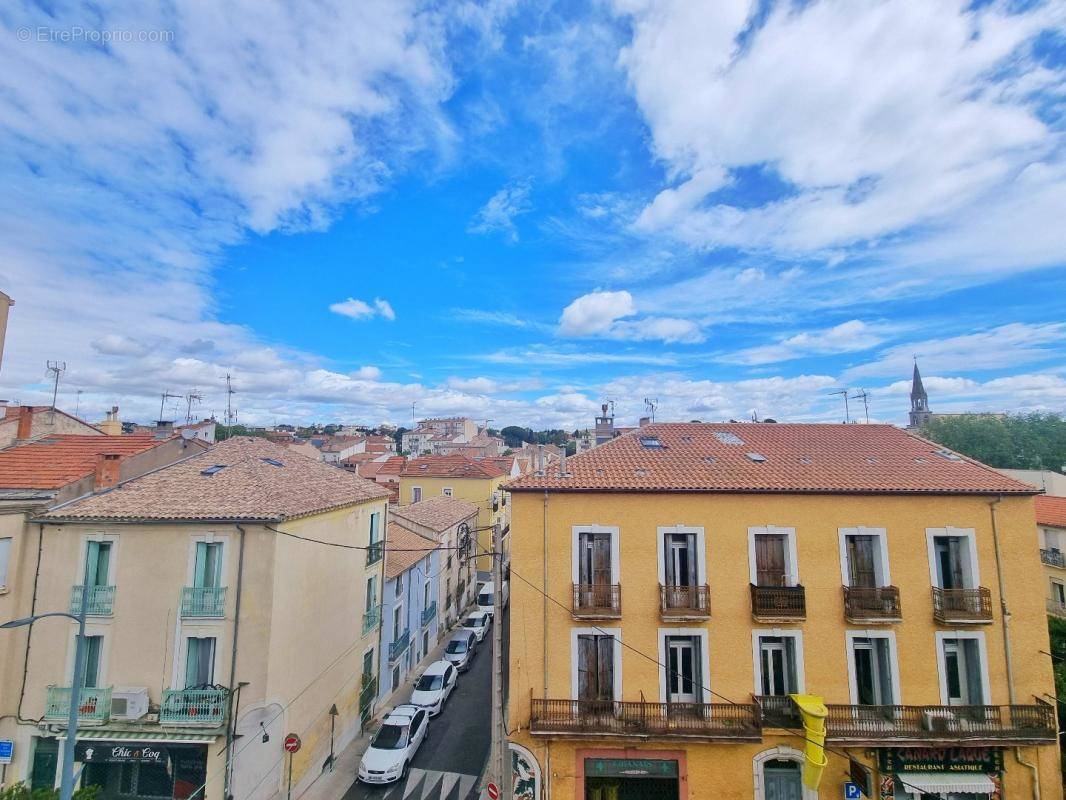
644 421
25 429
164 429
562 463
11 411
107 471
112 425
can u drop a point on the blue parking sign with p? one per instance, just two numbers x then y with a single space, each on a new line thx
851 791
7 748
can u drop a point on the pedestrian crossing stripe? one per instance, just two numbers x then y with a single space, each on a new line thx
436 785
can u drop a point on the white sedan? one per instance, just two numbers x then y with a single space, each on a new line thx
433 688
478 622
395 744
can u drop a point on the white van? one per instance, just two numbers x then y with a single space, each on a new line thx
486 597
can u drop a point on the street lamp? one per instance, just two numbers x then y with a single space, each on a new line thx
66 785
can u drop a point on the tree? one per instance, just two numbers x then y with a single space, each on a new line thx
1057 629
514 436
20 791
1011 441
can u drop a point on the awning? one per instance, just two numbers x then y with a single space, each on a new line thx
946 782
147 736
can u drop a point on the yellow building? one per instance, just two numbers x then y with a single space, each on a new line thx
477 481
1051 527
220 619
676 588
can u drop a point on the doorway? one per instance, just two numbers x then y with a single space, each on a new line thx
782 780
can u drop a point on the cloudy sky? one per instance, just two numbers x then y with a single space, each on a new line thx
516 211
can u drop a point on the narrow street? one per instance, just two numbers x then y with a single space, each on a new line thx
450 760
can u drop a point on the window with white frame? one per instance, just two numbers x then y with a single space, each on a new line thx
596 669
97 566
864 557
952 558
446 491
1058 594
778 659
199 661
681 556
684 670
207 565
92 661
873 674
772 557
416 494
5 560
595 555
963 665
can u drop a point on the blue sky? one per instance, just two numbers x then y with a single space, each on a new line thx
516 211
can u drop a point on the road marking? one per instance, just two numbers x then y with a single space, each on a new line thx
446 785
429 788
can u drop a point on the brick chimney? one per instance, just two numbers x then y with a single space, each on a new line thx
25 428
107 471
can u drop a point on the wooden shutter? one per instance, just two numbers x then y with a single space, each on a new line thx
861 570
770 560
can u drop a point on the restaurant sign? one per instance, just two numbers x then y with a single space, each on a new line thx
630 768
95 752
941 759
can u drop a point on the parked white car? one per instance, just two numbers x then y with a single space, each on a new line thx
434 687
478 622
461 649
394 745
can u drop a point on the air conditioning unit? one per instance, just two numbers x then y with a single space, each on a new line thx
129 702
938 720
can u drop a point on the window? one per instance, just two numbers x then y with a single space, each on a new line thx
5 559
872 669
1058 593
595 667
395 678
446 491
371 592
199 661
778 662
426 598
963 668
397 586
207 570
90 661
864 557
772 556
368 664
684 671
953 558
595 556
397 622
97 562
416 494
681 556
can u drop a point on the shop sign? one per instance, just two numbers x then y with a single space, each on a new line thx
630 768
7 749
93 752
942 759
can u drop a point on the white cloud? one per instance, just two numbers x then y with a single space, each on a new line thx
483 385
498 214
899 116
595 313
117 344
367 373
662 329
847 337
359 309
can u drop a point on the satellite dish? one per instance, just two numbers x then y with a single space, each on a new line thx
188 433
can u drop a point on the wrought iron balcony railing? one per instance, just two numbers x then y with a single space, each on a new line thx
872 604
100 601
200 707
1053 558
880 724
94 704
203 601
371 619
684 601
428 613
962 605
374 553
733 721
399 645
778 602
597 600
777 711
1055 608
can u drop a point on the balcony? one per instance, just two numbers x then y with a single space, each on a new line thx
200 707
366 697
94 706
777 711
597 601
778 603
374 553
399 645
733 722
371 619
428 613
877 725
1053 558
1055 608
100 600
872 604
684 602
969 606
203 601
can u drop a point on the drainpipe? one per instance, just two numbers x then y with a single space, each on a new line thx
29 630
231 726
544 599
1007 654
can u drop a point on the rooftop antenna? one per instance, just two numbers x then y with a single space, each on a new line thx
844 394
755 415
862 395
163 399
650 404
190 397
77 403
56 368
230 391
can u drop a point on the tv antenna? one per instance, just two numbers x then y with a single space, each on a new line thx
844 393
190 397
163 400
230 416
650 404
77 402
862 395
56 368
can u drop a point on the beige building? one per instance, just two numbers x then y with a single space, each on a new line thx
23 423
220 620
5 308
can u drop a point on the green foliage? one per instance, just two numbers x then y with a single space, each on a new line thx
222 432
1012 441
1057 629
20 791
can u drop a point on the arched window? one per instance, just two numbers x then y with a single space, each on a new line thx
777 774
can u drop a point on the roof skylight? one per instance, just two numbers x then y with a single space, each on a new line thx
949 455
217 468
651 442
273 462
725 437
758 458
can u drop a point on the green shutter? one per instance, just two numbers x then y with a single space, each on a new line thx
208 570
374 533
90 662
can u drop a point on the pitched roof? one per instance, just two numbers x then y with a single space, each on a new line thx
404 549
394 465
453 466
437 513
1051 511
247 486
11 416
59 459
725 457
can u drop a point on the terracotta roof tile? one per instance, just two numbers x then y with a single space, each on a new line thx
404 549
247 487
57 460
1051 511
437 513
728 457
453 466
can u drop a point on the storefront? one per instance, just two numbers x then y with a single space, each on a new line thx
631 779
941 773
154 770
